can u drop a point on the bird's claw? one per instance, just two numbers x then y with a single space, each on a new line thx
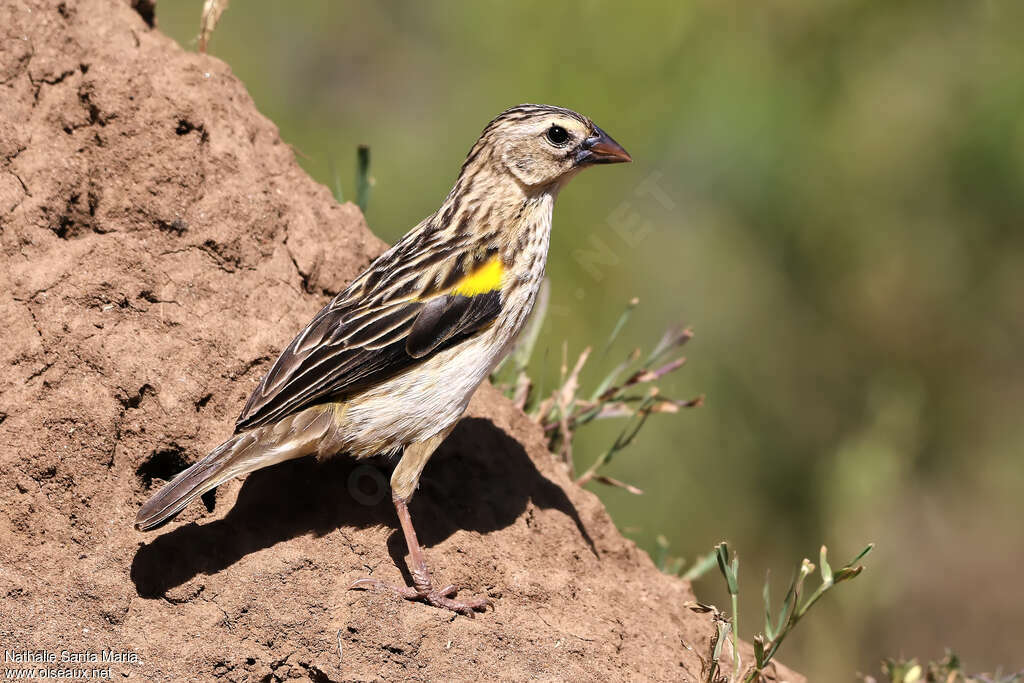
437 597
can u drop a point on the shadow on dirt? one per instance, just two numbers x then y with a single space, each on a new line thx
480 479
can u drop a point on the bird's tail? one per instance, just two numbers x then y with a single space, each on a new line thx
307 432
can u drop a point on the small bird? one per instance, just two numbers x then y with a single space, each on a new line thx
391 362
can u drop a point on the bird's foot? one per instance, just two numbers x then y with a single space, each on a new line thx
438 597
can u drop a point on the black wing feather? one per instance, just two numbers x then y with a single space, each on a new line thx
445 316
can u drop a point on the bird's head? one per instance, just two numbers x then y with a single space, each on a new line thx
544 146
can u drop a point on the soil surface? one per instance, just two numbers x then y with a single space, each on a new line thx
159 246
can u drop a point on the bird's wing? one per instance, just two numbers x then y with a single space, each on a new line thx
407 306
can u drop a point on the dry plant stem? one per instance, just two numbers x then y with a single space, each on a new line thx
593 408
718 638
566 399
736 636
212 9
618 484
564 411
562 403
522 391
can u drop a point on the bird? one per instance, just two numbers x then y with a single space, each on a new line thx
389 365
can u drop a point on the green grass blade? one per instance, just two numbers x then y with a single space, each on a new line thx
363 180
623 319
826 569
766 595
702 566
332 168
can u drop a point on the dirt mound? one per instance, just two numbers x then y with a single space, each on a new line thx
160 245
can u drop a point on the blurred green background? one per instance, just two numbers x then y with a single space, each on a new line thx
830 192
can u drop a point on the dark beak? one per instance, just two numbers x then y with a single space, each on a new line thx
599 148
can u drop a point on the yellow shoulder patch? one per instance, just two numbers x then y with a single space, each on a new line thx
486 278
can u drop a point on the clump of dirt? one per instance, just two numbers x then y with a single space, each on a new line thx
159 246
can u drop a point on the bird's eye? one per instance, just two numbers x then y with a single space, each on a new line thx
558 135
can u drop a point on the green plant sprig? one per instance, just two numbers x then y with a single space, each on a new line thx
730 569
364 181
767 644
564 411
946 670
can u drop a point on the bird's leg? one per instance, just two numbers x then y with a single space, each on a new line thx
423 588
403 483
417 563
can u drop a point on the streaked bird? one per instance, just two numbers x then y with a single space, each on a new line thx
390 363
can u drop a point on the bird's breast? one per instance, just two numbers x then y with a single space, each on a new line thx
526 260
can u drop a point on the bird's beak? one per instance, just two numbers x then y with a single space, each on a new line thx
599 148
